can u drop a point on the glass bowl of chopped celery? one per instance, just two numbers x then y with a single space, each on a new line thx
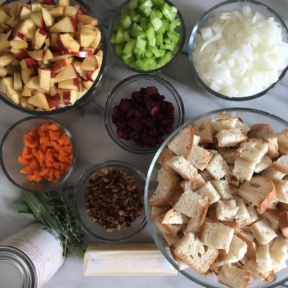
56 60
37 154
145 35
239 50
141 111
109 201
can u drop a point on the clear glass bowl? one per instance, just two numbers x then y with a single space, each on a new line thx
93 90
180 29
94 229
12 145
124 89
249 116
237 5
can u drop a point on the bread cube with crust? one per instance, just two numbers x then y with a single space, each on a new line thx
281 164
192 252
234 277
273 174
242 216
217 235
175 217
224 121
199 157
226 210
217 167
230 137
263 231
263 164
208 190
282 138
164 156
282 190
243 169
183 167
278 253
204 129
223 188
263 259
193 184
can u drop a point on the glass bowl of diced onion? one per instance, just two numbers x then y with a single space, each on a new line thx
238 50
45 69
146 36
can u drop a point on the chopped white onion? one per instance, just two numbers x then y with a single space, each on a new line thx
240 54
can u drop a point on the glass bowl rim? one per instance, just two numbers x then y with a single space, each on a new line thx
181 45
192 38
118 87
45 118
86 174
152 166
90 91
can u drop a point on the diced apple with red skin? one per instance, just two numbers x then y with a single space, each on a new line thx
57 11
88 84
39 100
37 19
13 95
6 60
95 43
44 78
3 17
40 37
53 101
77 66
37 55
92 75
53 90
21 55
26 74
99 57
83 53
68 97
34 83
18 44
36 7
70 11
69 84
3 72
89 63
4 44
61 64
6 86
68 43
27 92
28 63
48 18
17 81
48 55
86 19
68 72
5 83
26 11
27 28
64 2
65 25
87 36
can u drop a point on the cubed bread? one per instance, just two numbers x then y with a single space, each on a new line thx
175 217
278 253
263 164
263 231
167 182
260 191
230 137
272 215
243 169
204 129
194 184
217 235
164 156
217 167
226 210
193 205
252 267
283 141
263 259
158 210
208 190
234 277
192 252
182 143
183 167
283 222
281 164
224 120
273 174
199 157
242 216
223 188
282 190
171 229
251 246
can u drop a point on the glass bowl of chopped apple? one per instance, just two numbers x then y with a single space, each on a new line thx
141 111
239 50
52 55
38 154
146 36
216 199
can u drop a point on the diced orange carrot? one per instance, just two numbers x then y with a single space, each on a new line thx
26 170
22 161
54 127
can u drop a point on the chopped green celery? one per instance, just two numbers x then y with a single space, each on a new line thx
158 3
170 12
138 51
142 65
167 41
173 36
129 46
119 37
147 11
140 43
151 37
156 52
168 46
136 30
149 54
165 27
174 24
126 21
156 14
136 18
162 52
126 35
130 13
128 58
151 63
165 58
144 23
159 39
133 4
145 4
118 49
156 22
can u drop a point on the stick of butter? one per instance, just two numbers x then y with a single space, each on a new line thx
126 259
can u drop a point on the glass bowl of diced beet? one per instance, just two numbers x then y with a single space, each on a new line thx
141 111
146 36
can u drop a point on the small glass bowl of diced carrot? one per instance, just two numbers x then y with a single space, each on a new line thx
37 154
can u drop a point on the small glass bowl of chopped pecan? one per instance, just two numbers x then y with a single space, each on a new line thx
141 111
109 201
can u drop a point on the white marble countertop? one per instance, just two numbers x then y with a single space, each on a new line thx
94 144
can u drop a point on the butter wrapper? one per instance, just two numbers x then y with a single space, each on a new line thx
126 259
